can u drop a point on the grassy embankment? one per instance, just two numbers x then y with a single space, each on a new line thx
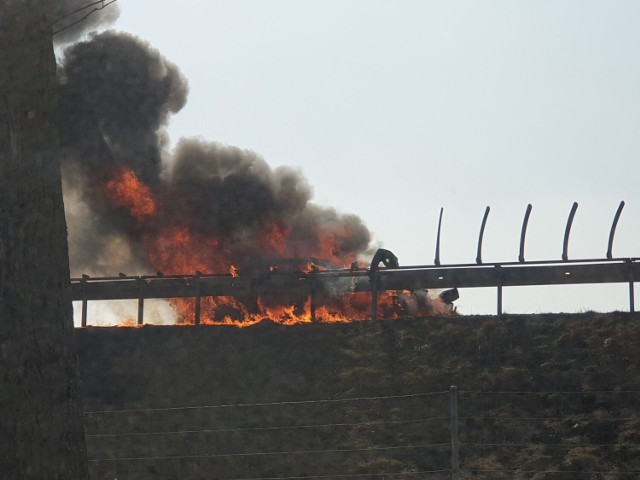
502 434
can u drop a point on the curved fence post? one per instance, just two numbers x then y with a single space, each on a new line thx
484 223
612 232
437 259
523 232
567 231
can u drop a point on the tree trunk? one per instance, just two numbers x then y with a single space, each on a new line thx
41 425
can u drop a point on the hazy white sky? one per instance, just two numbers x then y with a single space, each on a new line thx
393 109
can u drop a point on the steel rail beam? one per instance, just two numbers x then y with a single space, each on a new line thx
407 278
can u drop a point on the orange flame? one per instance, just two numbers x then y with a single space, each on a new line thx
129 323
273 240
125 190
177 250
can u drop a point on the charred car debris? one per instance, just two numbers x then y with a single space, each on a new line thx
415 302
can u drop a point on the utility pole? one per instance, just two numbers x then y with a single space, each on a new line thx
41 413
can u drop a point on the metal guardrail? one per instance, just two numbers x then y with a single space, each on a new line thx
313 284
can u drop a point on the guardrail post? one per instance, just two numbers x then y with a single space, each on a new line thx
632 306
312 301
455 443
374 296
196 319
83 321
499 282
84 311
141 303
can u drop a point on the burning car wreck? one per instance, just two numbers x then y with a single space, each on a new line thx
311 289
417 302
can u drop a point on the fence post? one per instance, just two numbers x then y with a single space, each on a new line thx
455 464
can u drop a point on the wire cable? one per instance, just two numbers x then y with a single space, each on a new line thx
265 454
575 418
265 404
593 392
254 429
620 472
561 445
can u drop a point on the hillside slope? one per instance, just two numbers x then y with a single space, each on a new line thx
545 396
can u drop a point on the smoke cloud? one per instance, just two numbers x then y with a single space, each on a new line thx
117 94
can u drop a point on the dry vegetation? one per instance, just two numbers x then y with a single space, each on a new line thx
579 421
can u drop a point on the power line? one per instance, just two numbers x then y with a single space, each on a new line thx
264 454
266 404
253 429
78 10
99 5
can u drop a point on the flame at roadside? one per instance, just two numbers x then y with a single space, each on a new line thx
129 323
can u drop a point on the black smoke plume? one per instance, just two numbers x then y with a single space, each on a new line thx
117 94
